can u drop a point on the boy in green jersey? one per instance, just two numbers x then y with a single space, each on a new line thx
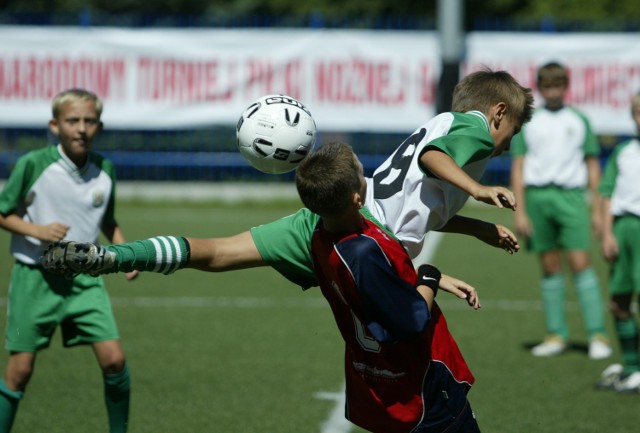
620 189
54 193
555 161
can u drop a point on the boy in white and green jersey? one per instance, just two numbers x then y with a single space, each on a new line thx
555 160
54 193
620 189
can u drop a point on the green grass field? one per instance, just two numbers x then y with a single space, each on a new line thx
247 351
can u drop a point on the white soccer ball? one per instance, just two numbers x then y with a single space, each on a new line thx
275 133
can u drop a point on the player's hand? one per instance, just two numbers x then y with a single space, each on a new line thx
610 247
460 289
522 224
72 258
500 237
52 232
497 196
132 275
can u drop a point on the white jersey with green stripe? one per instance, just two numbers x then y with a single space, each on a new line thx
46 187
621 179
554 145
410 202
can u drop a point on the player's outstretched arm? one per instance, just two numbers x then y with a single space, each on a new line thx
162 254
444 167
495 235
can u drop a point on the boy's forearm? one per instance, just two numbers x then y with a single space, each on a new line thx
466 226
14 224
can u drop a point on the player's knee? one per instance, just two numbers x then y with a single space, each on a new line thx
113 365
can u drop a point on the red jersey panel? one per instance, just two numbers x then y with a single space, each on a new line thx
402 366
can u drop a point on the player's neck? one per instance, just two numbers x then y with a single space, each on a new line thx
348 223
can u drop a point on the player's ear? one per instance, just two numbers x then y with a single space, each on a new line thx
358 201
501 110
498 113
53 126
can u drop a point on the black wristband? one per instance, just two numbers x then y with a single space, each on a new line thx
429 276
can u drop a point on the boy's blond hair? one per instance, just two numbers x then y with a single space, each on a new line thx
74 95
483 89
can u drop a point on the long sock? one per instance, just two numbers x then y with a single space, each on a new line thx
117 391
164 254
8 406
553 300
627 331
590 299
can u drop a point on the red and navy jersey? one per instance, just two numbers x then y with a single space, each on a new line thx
404 371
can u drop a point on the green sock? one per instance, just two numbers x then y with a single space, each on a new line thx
629 344
117 391
553 300
163 254
590 299
8 406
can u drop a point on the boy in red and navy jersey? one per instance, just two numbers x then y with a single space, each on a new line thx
404 371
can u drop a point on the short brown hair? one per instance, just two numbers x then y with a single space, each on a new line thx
482 89
327 178
74 95
553 71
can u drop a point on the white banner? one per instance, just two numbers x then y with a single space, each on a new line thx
349 79
604 69
169 78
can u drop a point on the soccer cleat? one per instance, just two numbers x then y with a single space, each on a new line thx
551 346
628 383
72 258
609 377
599 347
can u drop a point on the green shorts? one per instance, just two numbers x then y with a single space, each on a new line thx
40 301
560 219
624 274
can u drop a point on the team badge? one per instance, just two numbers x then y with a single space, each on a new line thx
98 197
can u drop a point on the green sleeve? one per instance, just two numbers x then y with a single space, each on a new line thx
27 170
105 165
591 145
463 149
13 192
610 173
518 144
285 245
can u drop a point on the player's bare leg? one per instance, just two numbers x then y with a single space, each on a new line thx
16 377
117 383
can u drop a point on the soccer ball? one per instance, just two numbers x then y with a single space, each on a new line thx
275 133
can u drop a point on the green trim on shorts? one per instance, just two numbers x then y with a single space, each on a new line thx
560 219
624 272
40 301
